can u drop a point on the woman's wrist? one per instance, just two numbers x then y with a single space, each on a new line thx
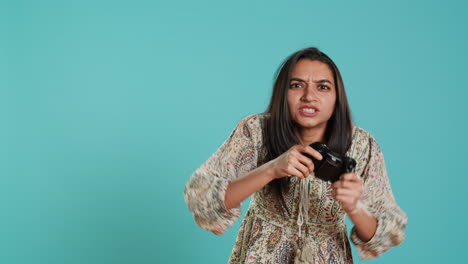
241 188
355 211
269 170
365 223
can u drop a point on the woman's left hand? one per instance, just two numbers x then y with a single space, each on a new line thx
348 190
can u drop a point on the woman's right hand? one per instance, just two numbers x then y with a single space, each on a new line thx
294 163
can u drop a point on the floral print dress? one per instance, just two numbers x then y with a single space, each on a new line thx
269 232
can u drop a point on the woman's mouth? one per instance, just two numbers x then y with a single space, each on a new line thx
308 111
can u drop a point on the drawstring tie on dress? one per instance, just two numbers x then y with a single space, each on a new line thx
307 250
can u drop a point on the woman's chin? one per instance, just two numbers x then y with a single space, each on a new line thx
311 125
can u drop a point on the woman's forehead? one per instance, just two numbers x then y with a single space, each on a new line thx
311 71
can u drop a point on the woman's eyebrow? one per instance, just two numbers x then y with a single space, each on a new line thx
318 81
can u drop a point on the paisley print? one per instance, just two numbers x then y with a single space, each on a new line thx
269 232
274 239
256 232
285 253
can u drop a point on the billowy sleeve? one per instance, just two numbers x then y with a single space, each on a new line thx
379 201
205 192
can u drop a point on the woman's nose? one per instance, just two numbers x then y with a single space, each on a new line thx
309 95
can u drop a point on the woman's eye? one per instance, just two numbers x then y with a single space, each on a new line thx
324 86
295 85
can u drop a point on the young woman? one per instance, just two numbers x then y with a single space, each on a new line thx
295 217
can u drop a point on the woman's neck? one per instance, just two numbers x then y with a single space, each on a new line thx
308 137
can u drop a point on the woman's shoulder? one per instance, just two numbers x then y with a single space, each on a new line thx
364 145
255 122
363 136
255 118
252 126
359 132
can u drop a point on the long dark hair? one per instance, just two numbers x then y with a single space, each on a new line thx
280 132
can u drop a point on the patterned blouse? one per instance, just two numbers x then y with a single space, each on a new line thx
270 233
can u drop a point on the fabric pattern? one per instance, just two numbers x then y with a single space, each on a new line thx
269 232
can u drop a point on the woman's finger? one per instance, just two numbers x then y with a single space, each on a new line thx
353 177
352 185
310 151
339 184
301 167
346 193
350 176
295 172
306 161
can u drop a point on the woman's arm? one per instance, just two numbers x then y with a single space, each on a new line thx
290 163
348 190
378 201
364 223
239 189
216 189
205 192
379 224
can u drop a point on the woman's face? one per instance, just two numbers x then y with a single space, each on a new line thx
311 95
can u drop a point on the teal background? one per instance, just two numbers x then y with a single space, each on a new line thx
107 107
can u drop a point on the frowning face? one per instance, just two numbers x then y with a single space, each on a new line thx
311 95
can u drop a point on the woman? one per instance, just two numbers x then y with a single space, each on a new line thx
295 217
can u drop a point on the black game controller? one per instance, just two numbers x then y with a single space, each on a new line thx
332 165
